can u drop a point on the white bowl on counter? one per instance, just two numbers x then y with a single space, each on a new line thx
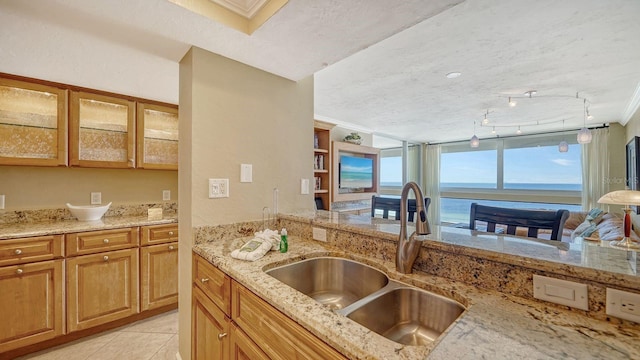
88 212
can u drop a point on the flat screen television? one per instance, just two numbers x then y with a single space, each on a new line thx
355 172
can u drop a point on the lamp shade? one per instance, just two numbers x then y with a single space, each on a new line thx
621 197
584 136
474 142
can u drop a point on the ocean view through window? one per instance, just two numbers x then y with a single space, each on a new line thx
521 172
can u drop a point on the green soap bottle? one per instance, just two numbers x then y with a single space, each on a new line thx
284 244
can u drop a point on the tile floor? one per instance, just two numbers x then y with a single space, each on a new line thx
155 338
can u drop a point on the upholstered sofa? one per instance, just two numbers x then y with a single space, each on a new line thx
608 228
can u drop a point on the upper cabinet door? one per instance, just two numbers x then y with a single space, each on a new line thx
102 132
157 137
33 124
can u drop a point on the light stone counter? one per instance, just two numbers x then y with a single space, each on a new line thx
41 228
495 325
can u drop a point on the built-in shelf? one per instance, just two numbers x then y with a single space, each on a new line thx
322 164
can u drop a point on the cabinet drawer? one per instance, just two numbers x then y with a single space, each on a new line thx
158 234
277 335
104 240
213 282
20 251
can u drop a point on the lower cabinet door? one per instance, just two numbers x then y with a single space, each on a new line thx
243 348
101 288
159 272
210 329
30 303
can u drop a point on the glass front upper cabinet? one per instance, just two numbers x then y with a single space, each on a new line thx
102 132
157 135
33 124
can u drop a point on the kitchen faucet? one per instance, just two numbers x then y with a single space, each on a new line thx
408 248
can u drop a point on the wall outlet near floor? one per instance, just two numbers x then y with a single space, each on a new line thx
1 202
561 292
166 195
218 188
319 234
96 198
623 305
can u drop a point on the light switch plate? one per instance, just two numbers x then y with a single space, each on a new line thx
218 188
560 292
96 198
623 305
166 195
304 186
1 202
246 173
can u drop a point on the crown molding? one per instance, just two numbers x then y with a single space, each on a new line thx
633 106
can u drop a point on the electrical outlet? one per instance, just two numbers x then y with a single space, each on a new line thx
1 202
218 188
319 234
166 195
623 305
96 198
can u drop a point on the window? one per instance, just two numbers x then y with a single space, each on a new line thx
390 168
520 172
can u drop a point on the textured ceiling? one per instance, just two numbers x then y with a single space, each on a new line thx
379 65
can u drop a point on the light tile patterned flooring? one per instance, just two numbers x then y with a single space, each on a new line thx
155 338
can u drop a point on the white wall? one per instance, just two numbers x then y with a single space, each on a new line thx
232 114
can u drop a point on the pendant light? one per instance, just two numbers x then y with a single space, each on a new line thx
563 147
474 142
584 135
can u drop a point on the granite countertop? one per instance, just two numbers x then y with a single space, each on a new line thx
41 228
494 326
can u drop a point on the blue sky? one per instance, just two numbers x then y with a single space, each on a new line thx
542 164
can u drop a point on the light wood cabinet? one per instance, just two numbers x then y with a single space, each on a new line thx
31 303
279 336
92 242
158 234
157 136
159 274
257 329
210 328
101 288
32 249
33 124
322 164
102 131
242 347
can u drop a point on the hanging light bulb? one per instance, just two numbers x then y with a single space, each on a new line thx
519 131
563 147
474 142
584 135
493 131
485 120
512 103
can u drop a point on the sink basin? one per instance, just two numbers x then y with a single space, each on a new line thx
335 282
408 316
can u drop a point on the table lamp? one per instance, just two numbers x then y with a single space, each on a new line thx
626 198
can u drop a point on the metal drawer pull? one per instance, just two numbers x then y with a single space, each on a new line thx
18 252
106 241
170 247
170 232
220 336
204 280
19 271
105 258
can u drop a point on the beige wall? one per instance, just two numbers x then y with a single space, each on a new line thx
633 127
28 187
234 114
617 157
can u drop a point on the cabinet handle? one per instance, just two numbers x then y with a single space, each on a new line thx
19 271
171 233
170 247
18 252
204 280
105 258
222 335
106 241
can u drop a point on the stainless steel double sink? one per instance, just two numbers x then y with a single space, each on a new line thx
399 312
